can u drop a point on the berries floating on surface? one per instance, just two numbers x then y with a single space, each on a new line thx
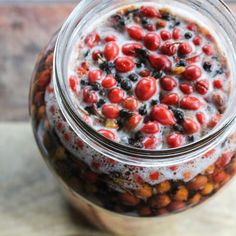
190 126
136 32
184 49
190 103
218 84
109 82
130 103
124 64
171 99
163 115
116 95
188 35
165 35
208 50
150 143
149 12
111 51
94 76
207 66
89 97
160 62
186 88
152 41
110 38
168 49
129 48
143 110
202 87
176 34
146 88
133 77
97 54
92 40
134 121
168 83
150 128
197 40
192 72
108 134
110 111
73 83
126 85
175 140
201 117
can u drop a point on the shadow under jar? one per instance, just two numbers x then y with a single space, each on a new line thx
117 184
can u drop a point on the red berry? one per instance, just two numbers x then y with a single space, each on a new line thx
192 72
160 62
150 27
150 128
190 126
186 88
163 115
89 97
109 82
214 121
92 40
136 32
190 103
168 83
110 111
193 60
197 40
151 142
97 54
94 75
145 73
129 48
184 49
110 38
201 117
111 51
107 133
116 95
165 35
73 83
218 84
149 12
170 99
168 49
202 87
208 50
154 175
176 34
146 88
134 120
130 103
175 140
192 27
124 64
152 41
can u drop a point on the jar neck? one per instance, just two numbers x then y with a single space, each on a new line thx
127 154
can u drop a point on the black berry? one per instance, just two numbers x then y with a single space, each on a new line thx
133 77
126 85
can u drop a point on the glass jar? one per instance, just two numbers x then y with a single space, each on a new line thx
114 184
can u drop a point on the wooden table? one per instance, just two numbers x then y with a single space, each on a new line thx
30 201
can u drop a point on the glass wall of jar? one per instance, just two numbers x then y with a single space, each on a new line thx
107 179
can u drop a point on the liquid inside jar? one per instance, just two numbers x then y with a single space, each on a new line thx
148 78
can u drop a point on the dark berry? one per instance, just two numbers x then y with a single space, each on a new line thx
108 67
138 136
90 110
118 22
100 103
84 82
118 78
126 85
157 74
102 92
143 110
219 71
190 138
188 35
154 102
137 144
133 77
125 114
142 53
166 16
96 86
139 64
207 66
144 21
182 63
179 115
178 128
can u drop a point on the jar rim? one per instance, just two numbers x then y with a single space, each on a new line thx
120 151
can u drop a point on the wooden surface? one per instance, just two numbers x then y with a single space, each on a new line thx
30 201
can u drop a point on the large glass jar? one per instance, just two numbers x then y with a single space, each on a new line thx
108 182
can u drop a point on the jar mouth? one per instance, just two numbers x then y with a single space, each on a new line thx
118 150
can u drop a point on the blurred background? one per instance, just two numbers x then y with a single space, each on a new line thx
30 202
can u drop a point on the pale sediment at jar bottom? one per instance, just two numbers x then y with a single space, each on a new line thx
110 192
